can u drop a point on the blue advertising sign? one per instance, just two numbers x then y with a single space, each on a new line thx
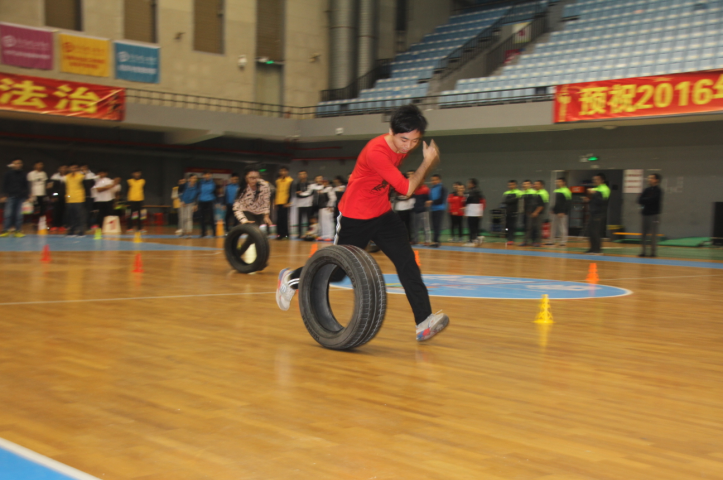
137 63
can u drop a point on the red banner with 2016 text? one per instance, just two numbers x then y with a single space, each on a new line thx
676 94
58 97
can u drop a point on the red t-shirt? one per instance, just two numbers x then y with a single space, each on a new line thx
367 195
456 204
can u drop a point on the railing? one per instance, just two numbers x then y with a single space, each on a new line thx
498 55
198 102
436 102
382 69
483 40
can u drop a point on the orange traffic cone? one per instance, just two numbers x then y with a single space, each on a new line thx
416 257
314 248
592 276
138 266
45 257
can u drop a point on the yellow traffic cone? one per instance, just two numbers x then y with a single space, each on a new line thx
98 234
219 229
137 238
544 316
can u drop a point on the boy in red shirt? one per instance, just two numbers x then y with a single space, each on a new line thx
366 213
455 203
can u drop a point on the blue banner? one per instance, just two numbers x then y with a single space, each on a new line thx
137 63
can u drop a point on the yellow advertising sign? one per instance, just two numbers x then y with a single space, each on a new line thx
84 55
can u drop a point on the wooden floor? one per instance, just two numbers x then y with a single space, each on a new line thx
190 371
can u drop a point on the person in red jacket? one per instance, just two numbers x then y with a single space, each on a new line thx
366 213
456 202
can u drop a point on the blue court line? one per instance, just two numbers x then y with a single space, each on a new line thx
19 463
36 243
578 256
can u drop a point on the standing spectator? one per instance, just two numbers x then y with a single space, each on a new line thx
230 195
535 203
206 198
456 203
560 212
528 200
651 200
57 198
283 203
598 209
327 202
437 205
253 204
316 188
75 201
474 211
136 196
304 200
339 189
38 180
404 205
420 215
15 188
88 184
188 204
104 192
512 205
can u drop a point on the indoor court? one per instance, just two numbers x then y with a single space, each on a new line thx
189 370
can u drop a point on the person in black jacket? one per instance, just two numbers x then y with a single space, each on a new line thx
16 190
304 199
598 212
561 211
511 202
650 199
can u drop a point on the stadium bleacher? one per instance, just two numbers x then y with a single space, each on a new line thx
604 40
412 69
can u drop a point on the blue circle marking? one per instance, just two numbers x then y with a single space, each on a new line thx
501 288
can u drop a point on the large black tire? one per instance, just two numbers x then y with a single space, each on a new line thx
370 297
235 247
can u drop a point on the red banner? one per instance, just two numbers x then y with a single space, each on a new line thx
58 97
680 93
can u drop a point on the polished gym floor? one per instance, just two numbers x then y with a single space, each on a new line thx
190 371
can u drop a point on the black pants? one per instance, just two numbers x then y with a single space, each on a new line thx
406 216
282 221
257 218
595 232
59 213
105 209
389 234
76 218
231 220
511 226
650 233
205 210
89 208
437 218
136 208
306 213
457 225
473 225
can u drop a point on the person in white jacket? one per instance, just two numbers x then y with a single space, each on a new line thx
327 202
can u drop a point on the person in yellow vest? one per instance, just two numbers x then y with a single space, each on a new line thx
283 203
75 201
136 187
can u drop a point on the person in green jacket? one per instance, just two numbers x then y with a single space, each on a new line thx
560 212
511 202
535 208
598 212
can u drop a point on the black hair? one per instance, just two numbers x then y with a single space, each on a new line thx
137 170
528 181
563 179
243 184
408 118
284 167
473 181
512 181
193 175
102 170
541 181
437 175
341 179
301 171
73 163
602 177
206 172
234 174
656 175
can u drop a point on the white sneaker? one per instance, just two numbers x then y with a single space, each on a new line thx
434 324
284 292
469 244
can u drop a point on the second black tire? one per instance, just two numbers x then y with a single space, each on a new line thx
370 297
236 246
